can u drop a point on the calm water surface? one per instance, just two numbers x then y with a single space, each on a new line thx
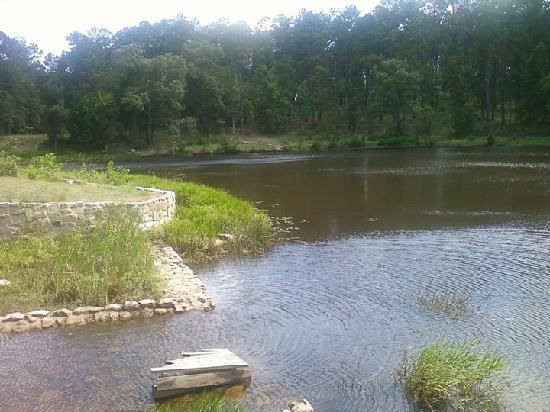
327 314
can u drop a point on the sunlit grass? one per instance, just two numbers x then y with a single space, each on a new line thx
108 263
456 376
205 402
202 213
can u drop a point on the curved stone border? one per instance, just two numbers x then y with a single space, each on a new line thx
20 218
185 293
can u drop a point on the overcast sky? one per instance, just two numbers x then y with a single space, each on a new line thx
48 22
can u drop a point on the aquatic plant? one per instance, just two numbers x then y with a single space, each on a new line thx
456 376
205 402
451 305
109 262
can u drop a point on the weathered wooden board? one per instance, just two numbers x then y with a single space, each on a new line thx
210 368
202 362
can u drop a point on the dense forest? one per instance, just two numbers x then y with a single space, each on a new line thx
409 68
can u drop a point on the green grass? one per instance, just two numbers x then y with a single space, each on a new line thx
205 402
456 376
22 189
108 263
202 213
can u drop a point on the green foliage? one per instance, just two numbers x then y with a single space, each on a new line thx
44 167
205 402
404 69
457 376
107 263
9 164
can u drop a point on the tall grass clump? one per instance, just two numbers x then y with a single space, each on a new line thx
453 376
108 263
205 402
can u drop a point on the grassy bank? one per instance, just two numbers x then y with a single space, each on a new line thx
28 146
112 262
93 267
202 213
453 376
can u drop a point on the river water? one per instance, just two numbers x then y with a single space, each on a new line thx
327 313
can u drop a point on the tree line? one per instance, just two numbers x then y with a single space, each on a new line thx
408 68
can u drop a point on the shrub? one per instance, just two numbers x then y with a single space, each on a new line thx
9 165
453 375
111 262
45 167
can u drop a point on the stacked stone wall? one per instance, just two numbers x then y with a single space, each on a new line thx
22 218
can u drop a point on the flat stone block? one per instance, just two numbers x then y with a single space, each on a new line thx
61 313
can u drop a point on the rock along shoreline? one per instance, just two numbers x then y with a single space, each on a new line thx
184 292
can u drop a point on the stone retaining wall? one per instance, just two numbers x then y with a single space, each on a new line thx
184 292
20 218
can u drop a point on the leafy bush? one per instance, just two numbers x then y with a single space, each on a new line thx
9 165
110 262
45 167
453 375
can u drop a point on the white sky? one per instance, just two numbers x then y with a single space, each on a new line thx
48 22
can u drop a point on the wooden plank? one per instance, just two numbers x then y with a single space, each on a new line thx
198 367
179 385
202 361
207 352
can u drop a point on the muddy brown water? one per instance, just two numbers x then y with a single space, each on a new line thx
327 314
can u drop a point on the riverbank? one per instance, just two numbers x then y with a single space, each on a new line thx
106 258
27 146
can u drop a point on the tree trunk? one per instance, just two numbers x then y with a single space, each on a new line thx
149 131
488 109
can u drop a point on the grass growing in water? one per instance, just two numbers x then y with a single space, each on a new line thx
453 306
205 402
456 376
111 262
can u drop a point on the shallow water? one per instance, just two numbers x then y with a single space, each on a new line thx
327 316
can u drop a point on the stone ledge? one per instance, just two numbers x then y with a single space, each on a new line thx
20 218
184 293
